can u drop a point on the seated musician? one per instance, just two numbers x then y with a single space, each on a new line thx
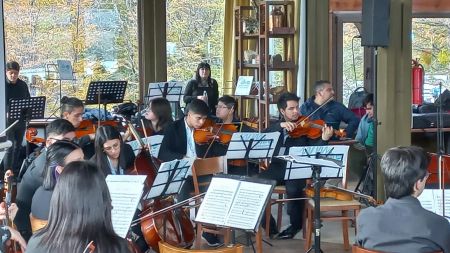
402 224
112 156
364 134
179 143
156 117
288 106
7 233
72 109
225 113
333 113
80 213
59 129
58 155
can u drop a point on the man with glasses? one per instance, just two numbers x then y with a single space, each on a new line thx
402 224
59 129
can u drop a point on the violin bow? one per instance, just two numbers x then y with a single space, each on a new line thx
90 248
318 108
217 132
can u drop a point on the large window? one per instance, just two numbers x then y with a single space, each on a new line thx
431 46
98 37
195 31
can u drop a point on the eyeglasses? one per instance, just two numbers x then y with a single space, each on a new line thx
57 139
222 107
115 146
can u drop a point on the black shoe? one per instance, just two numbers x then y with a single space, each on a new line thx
273 231
211 239
288 233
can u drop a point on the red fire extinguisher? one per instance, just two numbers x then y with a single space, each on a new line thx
417 79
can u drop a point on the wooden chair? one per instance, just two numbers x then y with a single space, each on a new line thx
37 224
166 248
327 205
281 191
208 167
358 249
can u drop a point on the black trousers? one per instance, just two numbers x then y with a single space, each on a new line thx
294 189
11 159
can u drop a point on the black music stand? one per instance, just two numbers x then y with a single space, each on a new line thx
105 92
248 145
26 110
169 180
172 91
316 164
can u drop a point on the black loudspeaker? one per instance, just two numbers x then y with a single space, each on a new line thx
375 23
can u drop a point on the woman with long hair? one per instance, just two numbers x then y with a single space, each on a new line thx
158 115
112 155
80 213
203 87
59 154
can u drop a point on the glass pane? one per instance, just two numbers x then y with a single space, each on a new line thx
194 34
352 61
98 37
431 46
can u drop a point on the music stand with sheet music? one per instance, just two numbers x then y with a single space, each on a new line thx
316 164
236 202
105 92
169 180
249 145
172 91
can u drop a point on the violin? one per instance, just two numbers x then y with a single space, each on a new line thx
214 131
433 169
311 128
88 126
328 193
11 246
31 134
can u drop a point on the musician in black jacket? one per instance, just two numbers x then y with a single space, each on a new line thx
179 143
59 129
14 89
288 106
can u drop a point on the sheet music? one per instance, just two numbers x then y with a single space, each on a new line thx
126 192
263 145
174 90
217 201
179 168
307 154
249 201
431 199
233 203
155 141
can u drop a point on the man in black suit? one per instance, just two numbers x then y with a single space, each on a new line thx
288 106
179 143
59 129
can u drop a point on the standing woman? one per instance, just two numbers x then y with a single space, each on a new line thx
112 156
59 154
80 213
201 85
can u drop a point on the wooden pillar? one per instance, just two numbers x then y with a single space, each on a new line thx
152 43
317 43
394 83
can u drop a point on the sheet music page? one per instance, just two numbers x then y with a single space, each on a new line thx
155 142
126 191
217 201
431 199
248 204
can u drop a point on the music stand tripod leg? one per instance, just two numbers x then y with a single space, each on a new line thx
317 222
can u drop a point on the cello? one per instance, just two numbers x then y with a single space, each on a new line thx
174 226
